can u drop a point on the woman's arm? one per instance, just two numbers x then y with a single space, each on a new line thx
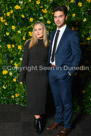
24 64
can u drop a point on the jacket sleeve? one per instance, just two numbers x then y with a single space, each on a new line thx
23 68
76 51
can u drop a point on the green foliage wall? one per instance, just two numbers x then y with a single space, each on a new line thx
17 18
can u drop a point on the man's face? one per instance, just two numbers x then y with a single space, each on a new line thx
59 18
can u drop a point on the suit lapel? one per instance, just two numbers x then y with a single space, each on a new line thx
62 38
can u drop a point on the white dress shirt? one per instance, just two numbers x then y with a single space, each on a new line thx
62 29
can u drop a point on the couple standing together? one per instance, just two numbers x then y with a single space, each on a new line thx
64 49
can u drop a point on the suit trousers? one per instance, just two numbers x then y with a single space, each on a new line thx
61 90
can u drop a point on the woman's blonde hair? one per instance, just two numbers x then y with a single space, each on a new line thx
34 39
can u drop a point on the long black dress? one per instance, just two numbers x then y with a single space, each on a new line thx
35 76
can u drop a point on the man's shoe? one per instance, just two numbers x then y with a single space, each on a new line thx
64 132
54 126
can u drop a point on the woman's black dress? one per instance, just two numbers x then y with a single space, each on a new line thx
34 60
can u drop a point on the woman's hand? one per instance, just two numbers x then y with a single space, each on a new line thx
21 83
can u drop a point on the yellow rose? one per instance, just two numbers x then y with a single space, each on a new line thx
13 45
41 6
88 1
12 96
22 16
11 11
84 20
29 0
16 65
4 72
72 1
44 10
5 23
19 47
19 31
24 38
10 73
37 2
14 79
7 33
9 46
16 95
8 13
30 33
2 20
88 38
17 7
31 19
13 27
48 22
11 61
73 15
1 17
80 4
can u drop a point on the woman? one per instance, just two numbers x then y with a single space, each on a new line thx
34 59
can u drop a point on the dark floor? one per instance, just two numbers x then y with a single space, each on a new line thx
16 121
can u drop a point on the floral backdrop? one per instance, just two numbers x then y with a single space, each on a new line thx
17 18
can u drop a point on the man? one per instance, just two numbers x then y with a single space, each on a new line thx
64 53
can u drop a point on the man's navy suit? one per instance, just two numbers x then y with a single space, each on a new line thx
67 54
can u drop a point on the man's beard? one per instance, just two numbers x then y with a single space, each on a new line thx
61 25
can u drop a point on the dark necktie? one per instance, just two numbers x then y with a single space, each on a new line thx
55 44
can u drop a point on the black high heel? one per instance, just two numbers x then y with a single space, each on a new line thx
39 126
35 123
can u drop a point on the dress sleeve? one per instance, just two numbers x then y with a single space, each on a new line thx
23 68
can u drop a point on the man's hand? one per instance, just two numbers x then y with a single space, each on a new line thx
69 74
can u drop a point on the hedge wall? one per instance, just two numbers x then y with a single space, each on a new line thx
17 18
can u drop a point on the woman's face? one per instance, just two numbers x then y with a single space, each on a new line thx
38 30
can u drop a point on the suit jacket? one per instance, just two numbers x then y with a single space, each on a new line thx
68 52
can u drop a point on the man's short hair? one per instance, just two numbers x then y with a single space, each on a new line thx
61 8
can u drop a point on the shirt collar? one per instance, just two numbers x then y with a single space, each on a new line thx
62 28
